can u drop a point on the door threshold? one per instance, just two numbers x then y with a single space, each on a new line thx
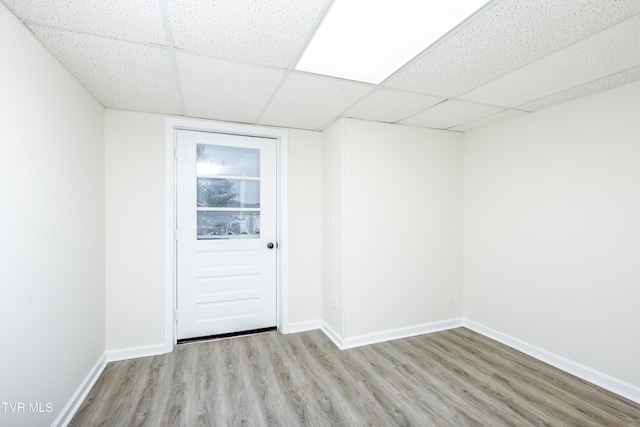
226 335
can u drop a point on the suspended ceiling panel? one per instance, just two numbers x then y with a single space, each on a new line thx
449 114
310 101
131 76
235 60
248 31
583 62
138 20
605 83
390 106
507 36
489 120
225 90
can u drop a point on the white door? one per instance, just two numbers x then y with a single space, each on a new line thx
226 220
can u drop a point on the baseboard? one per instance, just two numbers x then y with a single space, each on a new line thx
72 406
135 352
308 325
390 334
394 334
614 385
332 334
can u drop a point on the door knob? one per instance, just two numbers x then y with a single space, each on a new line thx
270 245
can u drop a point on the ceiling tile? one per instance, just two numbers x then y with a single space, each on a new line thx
309 101
225 90
609 82
509 35
119 74
256 32
449 114
231 56
390 105
138 20
598 56
489 120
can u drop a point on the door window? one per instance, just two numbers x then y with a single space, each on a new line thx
228 192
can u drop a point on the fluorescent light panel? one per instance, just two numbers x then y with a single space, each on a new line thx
368 40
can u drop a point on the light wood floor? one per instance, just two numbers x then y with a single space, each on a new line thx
451 378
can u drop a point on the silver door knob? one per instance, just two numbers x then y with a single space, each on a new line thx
270 245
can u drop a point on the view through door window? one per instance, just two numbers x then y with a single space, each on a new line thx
228 192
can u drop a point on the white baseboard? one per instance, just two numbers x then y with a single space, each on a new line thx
332 334
308 325
586 373
614 385
389 335
135 352
72 406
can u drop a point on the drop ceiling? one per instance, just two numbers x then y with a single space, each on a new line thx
234 60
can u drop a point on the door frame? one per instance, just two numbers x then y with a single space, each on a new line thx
282 232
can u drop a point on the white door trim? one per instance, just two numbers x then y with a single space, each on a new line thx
282 282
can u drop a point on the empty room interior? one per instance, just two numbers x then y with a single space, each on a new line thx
480 185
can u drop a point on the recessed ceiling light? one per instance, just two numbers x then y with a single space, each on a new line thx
368 40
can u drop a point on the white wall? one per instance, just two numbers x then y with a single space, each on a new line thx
52 218
552 230
333 233
135 146
403 226
305 226
134 229
393 258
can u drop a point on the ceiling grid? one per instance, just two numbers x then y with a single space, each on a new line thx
234 60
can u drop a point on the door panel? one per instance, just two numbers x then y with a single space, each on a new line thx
226 198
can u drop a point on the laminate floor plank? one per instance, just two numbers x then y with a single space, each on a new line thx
428 390
343 386
324 404
450 378
507 406
528 391
436 376
527 376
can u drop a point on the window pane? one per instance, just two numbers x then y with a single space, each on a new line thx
228 225
216 160
228 193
